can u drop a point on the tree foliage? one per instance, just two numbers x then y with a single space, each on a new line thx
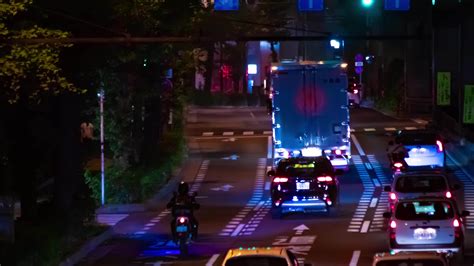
29 70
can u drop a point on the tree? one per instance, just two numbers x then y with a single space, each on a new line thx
29 75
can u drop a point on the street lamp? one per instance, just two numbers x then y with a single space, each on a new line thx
101 95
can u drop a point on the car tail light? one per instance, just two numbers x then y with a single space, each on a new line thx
393 224
324 179
398 165
456 223
182 220
393 196
280 179
356 91
448 194
278 202
440 145
328 201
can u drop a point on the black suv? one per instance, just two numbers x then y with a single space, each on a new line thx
307 184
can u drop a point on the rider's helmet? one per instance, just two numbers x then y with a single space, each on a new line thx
183 188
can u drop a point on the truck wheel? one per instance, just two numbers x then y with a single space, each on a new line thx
276 213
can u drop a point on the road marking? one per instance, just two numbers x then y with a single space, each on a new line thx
267 185
246 133
228 133
110 219
238 229
212 260
365 227
376 182
420 121
269 147
259 205
267 132
368 166
208 134
357 144
300 229
352 130
411 128
355 258
369 129
373 203
390 129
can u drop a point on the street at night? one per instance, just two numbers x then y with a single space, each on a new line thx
237 133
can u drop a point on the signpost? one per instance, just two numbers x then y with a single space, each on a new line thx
359 66
226 5
443 89
397 5
310 5
468 117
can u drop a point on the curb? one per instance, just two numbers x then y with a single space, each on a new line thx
87 248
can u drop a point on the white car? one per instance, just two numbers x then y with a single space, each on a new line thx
275 256
412 185
428 224
410 259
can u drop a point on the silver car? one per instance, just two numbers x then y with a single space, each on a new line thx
412 185
410 259
428 224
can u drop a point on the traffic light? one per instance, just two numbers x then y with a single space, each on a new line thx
367 3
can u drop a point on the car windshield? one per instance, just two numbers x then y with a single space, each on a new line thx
424 210
417 138
305 168
411 262
420 184
256 261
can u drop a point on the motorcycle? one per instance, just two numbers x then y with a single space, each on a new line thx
184 233
398 163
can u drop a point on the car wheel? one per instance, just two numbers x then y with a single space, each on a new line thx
276 213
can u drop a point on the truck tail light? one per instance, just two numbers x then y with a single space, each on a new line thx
456 223
325 179
393 224
449 194
398 165
440 145
280 179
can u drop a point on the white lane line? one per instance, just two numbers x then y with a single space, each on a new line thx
229 133
373 203
369 129
237 230
411 128
368 166
208 134
420 121
355 258
213 259
390 129
267 185
259 205
357 144
365 227
267 132
246 133
352 130
269 147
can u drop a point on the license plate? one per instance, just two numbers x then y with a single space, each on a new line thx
302 185
181 228
424 233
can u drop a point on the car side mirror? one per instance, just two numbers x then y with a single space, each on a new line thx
339 172
465 213
456 187
387 214
271 173
387 188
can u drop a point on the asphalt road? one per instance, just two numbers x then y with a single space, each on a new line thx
229 151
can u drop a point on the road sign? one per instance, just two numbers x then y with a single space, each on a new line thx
443 88
397 5
359 70
468 117
226 5
310 5
359 64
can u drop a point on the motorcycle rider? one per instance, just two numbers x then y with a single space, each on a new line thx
183 204
396 151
